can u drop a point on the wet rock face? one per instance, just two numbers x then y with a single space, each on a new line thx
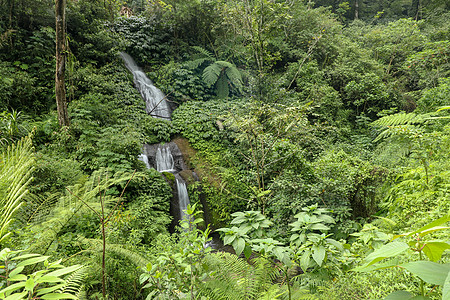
151 152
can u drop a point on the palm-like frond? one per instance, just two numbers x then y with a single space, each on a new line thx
400 119
211 73
203 52
74 282
16 166
194 64
234 76
233 278
53 216
135 258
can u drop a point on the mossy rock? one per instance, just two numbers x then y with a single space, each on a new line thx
170 177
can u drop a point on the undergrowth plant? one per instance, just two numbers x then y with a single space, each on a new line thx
22 276
428 271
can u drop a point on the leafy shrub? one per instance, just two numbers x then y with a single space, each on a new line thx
53 173
157 130
149 40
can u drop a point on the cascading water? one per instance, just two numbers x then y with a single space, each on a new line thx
155 100
183 197
164 160
144 158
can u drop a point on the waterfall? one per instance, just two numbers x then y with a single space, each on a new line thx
144 158
155 100
164 160
183 197
161 158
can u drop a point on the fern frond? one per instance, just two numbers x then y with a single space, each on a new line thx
16 167
135 258
224 64
194 64
400 131
74 282
39 207
203 52
211 73
234 76
400 119
222 87
233 278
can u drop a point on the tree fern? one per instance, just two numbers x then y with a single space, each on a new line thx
204 56
16 166
222 74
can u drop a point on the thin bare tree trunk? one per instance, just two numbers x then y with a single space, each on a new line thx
60 87
356 10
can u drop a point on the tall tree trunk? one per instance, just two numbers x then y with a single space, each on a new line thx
356 9
60 87
415 9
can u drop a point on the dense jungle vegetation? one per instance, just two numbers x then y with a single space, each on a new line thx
319 130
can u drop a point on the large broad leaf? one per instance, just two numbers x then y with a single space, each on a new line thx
434 249
247 251
19 296
13 287
239 246
32 261
404 295
446 289
305 260
64 271
389 250
433 226
386 265
319 226
16 271
53 296
399 295
318 254
53 288
428 271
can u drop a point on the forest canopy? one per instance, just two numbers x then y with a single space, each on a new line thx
313 139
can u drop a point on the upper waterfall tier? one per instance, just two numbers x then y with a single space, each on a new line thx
164 159
156 104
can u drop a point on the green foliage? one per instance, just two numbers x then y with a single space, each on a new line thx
368 95
17 86
432 99
16 167
45 283
252 224
148 39
53 173
178 270
233 278
182 83
220 73
157 130
428 271
13 125
310 244
148 211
